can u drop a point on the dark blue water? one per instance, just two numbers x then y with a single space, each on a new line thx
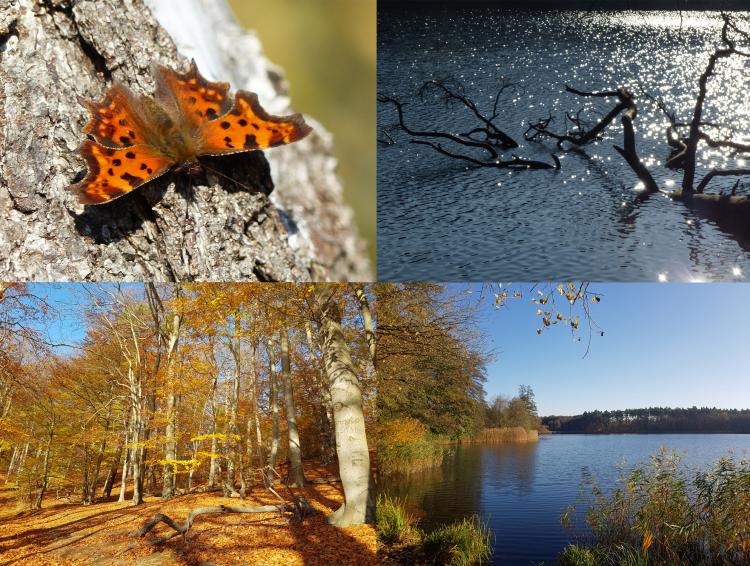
439 219
522 489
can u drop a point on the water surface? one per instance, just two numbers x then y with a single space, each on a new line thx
522 489
441 220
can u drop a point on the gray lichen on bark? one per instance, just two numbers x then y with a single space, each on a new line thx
55 52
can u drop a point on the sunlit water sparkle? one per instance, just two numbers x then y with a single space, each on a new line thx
441 220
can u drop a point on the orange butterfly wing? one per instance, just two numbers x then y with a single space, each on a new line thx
191 95
247 127
115 121
113 172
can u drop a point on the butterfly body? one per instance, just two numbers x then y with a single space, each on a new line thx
139 138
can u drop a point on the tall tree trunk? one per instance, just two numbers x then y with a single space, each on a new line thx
213 469
255 411
45 470
351 439
328 434
125 463
97 470
364 309
233 399
109 482
274 401
296 476
12 464
170 443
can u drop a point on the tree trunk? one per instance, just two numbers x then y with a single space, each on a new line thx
255 411
213 469
296 475
351 440
231 431
325 417
364 309
125 465
51 53
170 444
45 471
112 474
274 401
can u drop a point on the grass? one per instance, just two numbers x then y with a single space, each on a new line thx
662 513
462 543
504 434
394 523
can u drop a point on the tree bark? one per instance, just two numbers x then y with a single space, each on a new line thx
364 309
296 475
232 402
112 474
53 52
170 444
274 402
351 439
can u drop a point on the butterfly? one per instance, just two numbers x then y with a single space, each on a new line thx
139 138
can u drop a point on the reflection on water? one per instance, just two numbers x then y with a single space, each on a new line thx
522 489
440 220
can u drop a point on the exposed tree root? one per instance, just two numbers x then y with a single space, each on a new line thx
299 509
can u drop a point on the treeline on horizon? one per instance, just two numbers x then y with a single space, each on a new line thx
653 420
574 4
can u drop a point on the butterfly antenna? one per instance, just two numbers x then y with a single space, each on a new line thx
220 174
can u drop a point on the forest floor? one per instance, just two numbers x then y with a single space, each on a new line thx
71 533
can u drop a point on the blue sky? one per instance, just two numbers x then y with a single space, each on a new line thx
663 344
671 345
68 300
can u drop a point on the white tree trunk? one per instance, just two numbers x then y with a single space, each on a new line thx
351 439
296 474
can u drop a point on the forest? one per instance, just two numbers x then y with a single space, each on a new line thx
653 420
183 403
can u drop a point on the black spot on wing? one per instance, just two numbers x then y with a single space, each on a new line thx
116 162
125 139
130 155
132 180
243 122
225 125
211 114
250 142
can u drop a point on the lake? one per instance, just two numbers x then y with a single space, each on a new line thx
440 220
522 489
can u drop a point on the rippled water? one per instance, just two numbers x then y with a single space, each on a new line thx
522 489
441 220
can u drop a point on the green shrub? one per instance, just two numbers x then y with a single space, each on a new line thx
394 523
461 543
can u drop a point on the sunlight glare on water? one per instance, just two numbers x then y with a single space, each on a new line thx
441 220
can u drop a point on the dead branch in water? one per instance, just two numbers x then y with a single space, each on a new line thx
452 90
494 137
515 162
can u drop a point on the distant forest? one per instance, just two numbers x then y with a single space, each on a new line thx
653 420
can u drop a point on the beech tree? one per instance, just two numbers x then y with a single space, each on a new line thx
183 388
